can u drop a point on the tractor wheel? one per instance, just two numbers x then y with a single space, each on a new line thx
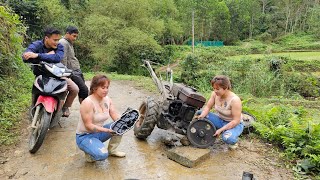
248 119
149 111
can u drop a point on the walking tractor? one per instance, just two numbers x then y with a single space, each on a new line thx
175 112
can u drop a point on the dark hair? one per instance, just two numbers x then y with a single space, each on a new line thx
98 81
221 81
72 29
51 30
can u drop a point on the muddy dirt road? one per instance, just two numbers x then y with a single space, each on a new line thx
59 157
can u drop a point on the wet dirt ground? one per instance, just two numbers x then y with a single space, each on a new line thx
59 157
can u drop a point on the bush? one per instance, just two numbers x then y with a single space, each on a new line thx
190 70
293 130
10 41
265 77
302 66
84 55
14 100
298 41
265 37
15 77
306 84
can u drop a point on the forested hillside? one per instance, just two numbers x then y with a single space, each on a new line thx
116 34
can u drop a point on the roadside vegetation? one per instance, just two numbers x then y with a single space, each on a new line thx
271 56
281 91
15 78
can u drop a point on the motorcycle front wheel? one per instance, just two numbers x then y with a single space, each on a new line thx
40 130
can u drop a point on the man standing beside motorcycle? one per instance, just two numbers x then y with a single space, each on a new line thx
50 50
71 62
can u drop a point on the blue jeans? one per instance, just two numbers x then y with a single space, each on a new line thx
229 136
92 143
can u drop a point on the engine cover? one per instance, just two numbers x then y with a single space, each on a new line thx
191 97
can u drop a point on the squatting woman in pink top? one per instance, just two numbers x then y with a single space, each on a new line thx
227 107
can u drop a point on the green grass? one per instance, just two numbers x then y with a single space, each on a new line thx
140 81
14 104
296 39
292 55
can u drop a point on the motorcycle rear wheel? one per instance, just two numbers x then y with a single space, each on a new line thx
38 134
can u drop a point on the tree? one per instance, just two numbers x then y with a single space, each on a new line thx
119 32
53 13
313 22
29 14
167 11
11 37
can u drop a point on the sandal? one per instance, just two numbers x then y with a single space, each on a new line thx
65 112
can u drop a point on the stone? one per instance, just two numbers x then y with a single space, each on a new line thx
184 141
188 156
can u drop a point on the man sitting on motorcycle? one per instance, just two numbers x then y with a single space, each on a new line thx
50 50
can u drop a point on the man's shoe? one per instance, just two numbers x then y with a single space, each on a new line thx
233 146
117 154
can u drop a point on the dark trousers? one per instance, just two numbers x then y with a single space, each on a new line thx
78 78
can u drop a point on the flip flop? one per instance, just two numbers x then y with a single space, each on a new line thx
65 112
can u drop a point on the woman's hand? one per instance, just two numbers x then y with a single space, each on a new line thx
196 117
109 131
200 116
217 133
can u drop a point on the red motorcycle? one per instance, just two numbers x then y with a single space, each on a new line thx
49 92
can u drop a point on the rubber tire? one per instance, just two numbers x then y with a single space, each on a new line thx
248 128
36 140
149 111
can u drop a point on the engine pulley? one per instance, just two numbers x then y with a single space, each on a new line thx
200 133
